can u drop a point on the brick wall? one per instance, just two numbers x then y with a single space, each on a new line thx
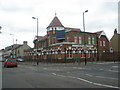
110 56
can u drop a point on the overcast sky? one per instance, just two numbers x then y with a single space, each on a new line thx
16 17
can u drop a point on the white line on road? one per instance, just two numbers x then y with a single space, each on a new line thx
100 76
113 71
54 73
87 81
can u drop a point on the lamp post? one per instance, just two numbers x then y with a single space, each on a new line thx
84 35
84 20
37 40
12 38
13 44
16 49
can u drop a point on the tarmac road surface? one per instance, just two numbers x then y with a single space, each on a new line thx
93 75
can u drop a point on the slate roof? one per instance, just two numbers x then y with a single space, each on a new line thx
42 37
55 22
73 29
99 32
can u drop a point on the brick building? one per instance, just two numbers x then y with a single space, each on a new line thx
103 44
115 46
66 44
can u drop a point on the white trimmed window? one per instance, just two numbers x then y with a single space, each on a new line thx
69 54
93 40
67 39
49 40
100 43
89 40
80 40
75 39
103 43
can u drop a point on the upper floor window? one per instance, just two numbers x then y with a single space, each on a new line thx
48 39
93 40
103 43
55 28
80 40
52 28
67 39
75 39
89 40
100 43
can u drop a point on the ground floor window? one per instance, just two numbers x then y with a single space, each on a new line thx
59 54
69 54
82 53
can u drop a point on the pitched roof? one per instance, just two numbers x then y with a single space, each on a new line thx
40 38
99 32
73 29
115 36
55 22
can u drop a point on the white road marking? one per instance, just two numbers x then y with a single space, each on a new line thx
45 68
89 75
87 81
101 69
115 66
54 73
104 62
100 76
113 71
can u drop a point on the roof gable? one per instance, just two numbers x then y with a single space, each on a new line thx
102 33
115 36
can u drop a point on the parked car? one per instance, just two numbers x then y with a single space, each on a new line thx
11 63
20 60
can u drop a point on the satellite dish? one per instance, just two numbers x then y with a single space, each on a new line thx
111 49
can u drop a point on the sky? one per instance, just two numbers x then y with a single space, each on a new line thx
17 23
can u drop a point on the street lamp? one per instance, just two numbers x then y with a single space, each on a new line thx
13 45
12 38
37 25
37 39
84 35
84 20
16 49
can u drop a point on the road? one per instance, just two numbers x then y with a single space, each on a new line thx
93 75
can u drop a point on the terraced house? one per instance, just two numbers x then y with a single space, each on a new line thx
65 44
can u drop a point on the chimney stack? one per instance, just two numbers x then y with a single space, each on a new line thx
25 42
115 31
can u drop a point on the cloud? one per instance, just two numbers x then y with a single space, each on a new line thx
15 17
